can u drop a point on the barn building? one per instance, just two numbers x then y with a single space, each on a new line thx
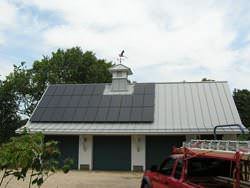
130 126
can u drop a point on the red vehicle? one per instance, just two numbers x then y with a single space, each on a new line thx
198 166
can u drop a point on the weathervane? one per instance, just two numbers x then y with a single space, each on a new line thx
121 57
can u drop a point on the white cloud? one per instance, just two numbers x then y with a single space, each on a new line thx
189 39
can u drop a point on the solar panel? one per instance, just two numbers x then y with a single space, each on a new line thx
78 90
86 103
105 101
90 114
148 114
137 100
148 100
68 114
101 115
47 114
136 114
74 101
69 90
98 89
94 100
57 114
54 101
79 115
139 89
37 114
126 101
45 101
89 89
115 101
51 90
149 89
60 90
124 114
113 114
63 101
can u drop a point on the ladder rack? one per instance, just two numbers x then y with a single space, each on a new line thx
220 145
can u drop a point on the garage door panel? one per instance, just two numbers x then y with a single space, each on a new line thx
112 153
159 147
68 146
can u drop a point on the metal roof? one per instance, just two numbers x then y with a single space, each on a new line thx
87 103
180 108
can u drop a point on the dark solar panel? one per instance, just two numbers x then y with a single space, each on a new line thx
74 101
37 114
148 114
148 100
57 114
60 90
54 101
105 101
115 101
139 89
94 100
127 101
79 115
78 90
101 115
89 89
136 114
51 90
90 114
137 101
69 90
124 115
113 114
98 89
47 114
68 114
149 89
63 101
45 101
86 103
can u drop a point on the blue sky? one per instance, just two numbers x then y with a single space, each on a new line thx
169 40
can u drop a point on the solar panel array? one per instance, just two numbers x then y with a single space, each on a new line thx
86 103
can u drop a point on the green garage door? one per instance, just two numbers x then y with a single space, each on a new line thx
69 147
112 153
159 147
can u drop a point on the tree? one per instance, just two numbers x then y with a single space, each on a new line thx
23 88
242 101
29 151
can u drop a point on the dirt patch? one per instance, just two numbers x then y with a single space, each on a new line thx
87 179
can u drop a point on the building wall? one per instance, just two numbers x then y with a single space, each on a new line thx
85 152
138 153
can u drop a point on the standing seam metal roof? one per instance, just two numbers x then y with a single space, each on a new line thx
180 108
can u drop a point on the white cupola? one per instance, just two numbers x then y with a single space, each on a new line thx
120 74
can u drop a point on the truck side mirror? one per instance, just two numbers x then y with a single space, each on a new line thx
154 168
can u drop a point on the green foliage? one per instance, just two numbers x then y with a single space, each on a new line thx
31 152
242 101
23 87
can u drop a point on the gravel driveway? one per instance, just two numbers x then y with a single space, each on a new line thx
87 179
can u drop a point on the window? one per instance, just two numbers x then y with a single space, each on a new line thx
178 169
166 167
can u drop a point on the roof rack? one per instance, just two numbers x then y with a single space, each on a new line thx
220 145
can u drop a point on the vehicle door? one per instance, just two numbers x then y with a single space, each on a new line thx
176 180
161 177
